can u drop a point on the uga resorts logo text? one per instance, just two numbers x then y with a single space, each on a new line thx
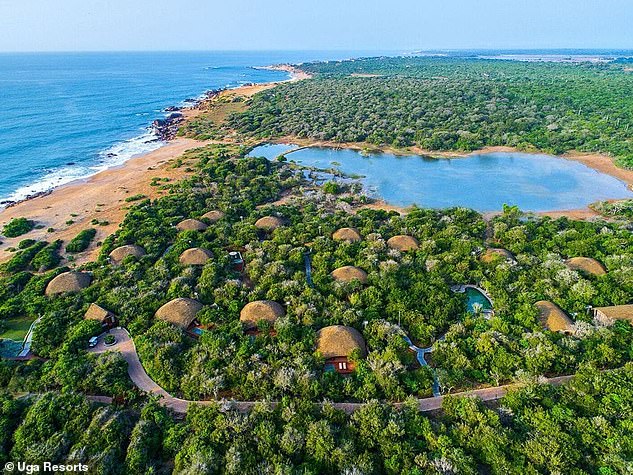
45 467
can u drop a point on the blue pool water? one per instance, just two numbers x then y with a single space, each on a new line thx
68 115
484 182
475 297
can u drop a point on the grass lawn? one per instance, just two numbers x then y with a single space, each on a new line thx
16 328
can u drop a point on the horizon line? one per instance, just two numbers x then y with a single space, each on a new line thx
295 50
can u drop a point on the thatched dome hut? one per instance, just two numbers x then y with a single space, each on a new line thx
616 312
120 253
191 225
96 312
195 256
339 341
553 318
269 223
213 216
349 274
259 310
347 235
180 312
493 254
586 265
403 243
68 282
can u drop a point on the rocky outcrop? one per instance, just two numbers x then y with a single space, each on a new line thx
167 128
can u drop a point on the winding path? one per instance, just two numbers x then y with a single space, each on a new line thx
125 346
420 356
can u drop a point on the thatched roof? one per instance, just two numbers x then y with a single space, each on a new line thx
95 312
403 243
553 318
68 282
181 312
191 225
617 312
195 256
587 265
338 340
258 310
269 223
496 253
120 253
347 234
349 273
213 215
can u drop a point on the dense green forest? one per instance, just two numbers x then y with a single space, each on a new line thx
448 104
582 428
407 290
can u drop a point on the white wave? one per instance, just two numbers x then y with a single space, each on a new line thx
116 155
123 151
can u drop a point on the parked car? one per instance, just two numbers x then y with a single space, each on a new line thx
93 342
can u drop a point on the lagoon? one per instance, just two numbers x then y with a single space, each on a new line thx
484 182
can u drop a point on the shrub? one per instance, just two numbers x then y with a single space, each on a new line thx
48 258
332 188
81 242
134 198
23 258
25 243
18 226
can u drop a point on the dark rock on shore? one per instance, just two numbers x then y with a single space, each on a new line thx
167 128
10 203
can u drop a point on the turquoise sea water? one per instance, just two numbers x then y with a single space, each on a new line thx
66 116
484 182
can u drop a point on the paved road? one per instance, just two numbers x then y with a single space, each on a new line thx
125 346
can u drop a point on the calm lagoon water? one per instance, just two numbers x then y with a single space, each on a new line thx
484 182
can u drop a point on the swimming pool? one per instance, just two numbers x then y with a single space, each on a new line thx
475 298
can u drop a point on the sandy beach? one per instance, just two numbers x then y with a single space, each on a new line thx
296 74
101 197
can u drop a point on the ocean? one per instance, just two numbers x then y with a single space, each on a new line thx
66 116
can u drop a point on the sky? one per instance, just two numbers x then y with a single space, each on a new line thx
124 25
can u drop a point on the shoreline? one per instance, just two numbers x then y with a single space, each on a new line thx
581 214
296 74
164 129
